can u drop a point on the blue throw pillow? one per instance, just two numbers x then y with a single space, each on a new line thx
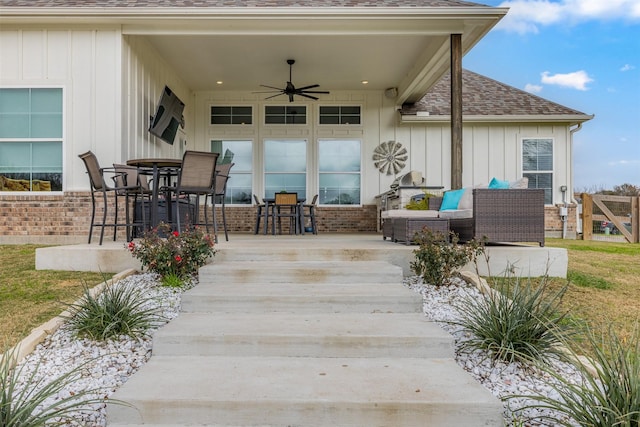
451 199
498 184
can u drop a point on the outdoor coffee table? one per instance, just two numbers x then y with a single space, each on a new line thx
404 229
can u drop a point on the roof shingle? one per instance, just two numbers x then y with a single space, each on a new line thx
482 96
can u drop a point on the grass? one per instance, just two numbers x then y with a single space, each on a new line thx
30 297
604 284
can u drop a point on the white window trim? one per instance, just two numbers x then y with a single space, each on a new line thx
340 125
235 104
361 173
553 153
271 125
63 140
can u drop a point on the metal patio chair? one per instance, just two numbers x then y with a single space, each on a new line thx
196 178
100 189
286 206
309 211
220 193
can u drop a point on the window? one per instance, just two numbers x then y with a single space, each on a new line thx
285 167
227 115
339 167
537 165
31 139
289 115
239 188
340 115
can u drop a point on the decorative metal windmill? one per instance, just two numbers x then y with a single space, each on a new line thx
390 157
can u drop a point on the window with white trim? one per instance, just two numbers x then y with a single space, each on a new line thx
537 165
231 115
339 171
339 115
285 115
285 167
240 153
31 123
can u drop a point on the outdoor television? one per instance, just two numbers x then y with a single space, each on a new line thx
168 116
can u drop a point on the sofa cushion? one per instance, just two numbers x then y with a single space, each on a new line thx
521 183
498 184
451 199
408 213
456 214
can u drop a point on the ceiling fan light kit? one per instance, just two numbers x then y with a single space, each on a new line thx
290 90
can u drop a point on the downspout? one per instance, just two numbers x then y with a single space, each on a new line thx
573 199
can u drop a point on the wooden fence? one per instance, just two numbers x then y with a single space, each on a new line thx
611 214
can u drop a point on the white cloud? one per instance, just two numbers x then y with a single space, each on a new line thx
627 67
531 88
576 80
526 16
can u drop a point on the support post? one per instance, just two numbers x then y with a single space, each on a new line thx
456 111
587 216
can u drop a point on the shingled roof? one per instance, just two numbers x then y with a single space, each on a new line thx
235 3
482 96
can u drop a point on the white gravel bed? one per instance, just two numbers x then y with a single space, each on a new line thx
109 364
502 379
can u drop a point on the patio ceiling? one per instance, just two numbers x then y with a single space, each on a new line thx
404 47
338 50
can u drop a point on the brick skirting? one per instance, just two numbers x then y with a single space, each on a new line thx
64 219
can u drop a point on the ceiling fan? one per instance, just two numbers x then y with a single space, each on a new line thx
290 90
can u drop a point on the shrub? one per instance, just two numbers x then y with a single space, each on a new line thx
514 322
609 393
26 398
436 260
178 254
117 310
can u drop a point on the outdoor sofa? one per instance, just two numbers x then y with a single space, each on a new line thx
490 214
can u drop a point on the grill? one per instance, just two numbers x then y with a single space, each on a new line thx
400 192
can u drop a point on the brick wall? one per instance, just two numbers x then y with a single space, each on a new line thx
64 219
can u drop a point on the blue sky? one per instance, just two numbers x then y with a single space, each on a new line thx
584 54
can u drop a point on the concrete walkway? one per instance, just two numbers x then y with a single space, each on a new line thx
324 336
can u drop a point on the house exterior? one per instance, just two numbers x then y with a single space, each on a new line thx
87 75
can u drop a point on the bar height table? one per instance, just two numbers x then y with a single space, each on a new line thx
158 167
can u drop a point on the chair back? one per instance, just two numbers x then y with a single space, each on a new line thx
197 174
286 198
314 200
258 202
222 176
93 169
128 176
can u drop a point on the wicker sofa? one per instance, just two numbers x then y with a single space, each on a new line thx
498 215
508 215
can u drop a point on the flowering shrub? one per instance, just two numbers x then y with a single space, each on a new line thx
177 255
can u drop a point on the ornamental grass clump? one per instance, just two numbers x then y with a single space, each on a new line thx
117 310
29 398
608 393
175 257
514 321
440 256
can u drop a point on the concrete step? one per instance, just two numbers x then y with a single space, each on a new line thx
336 272
302 298
303 335
299 391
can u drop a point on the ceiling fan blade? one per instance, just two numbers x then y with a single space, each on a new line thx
272 87
315 91
307 96
308 87
267 91
273 96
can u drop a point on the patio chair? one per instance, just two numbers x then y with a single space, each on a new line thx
133 186
196 178
286 206
101 189
261 214
220 193
309 211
